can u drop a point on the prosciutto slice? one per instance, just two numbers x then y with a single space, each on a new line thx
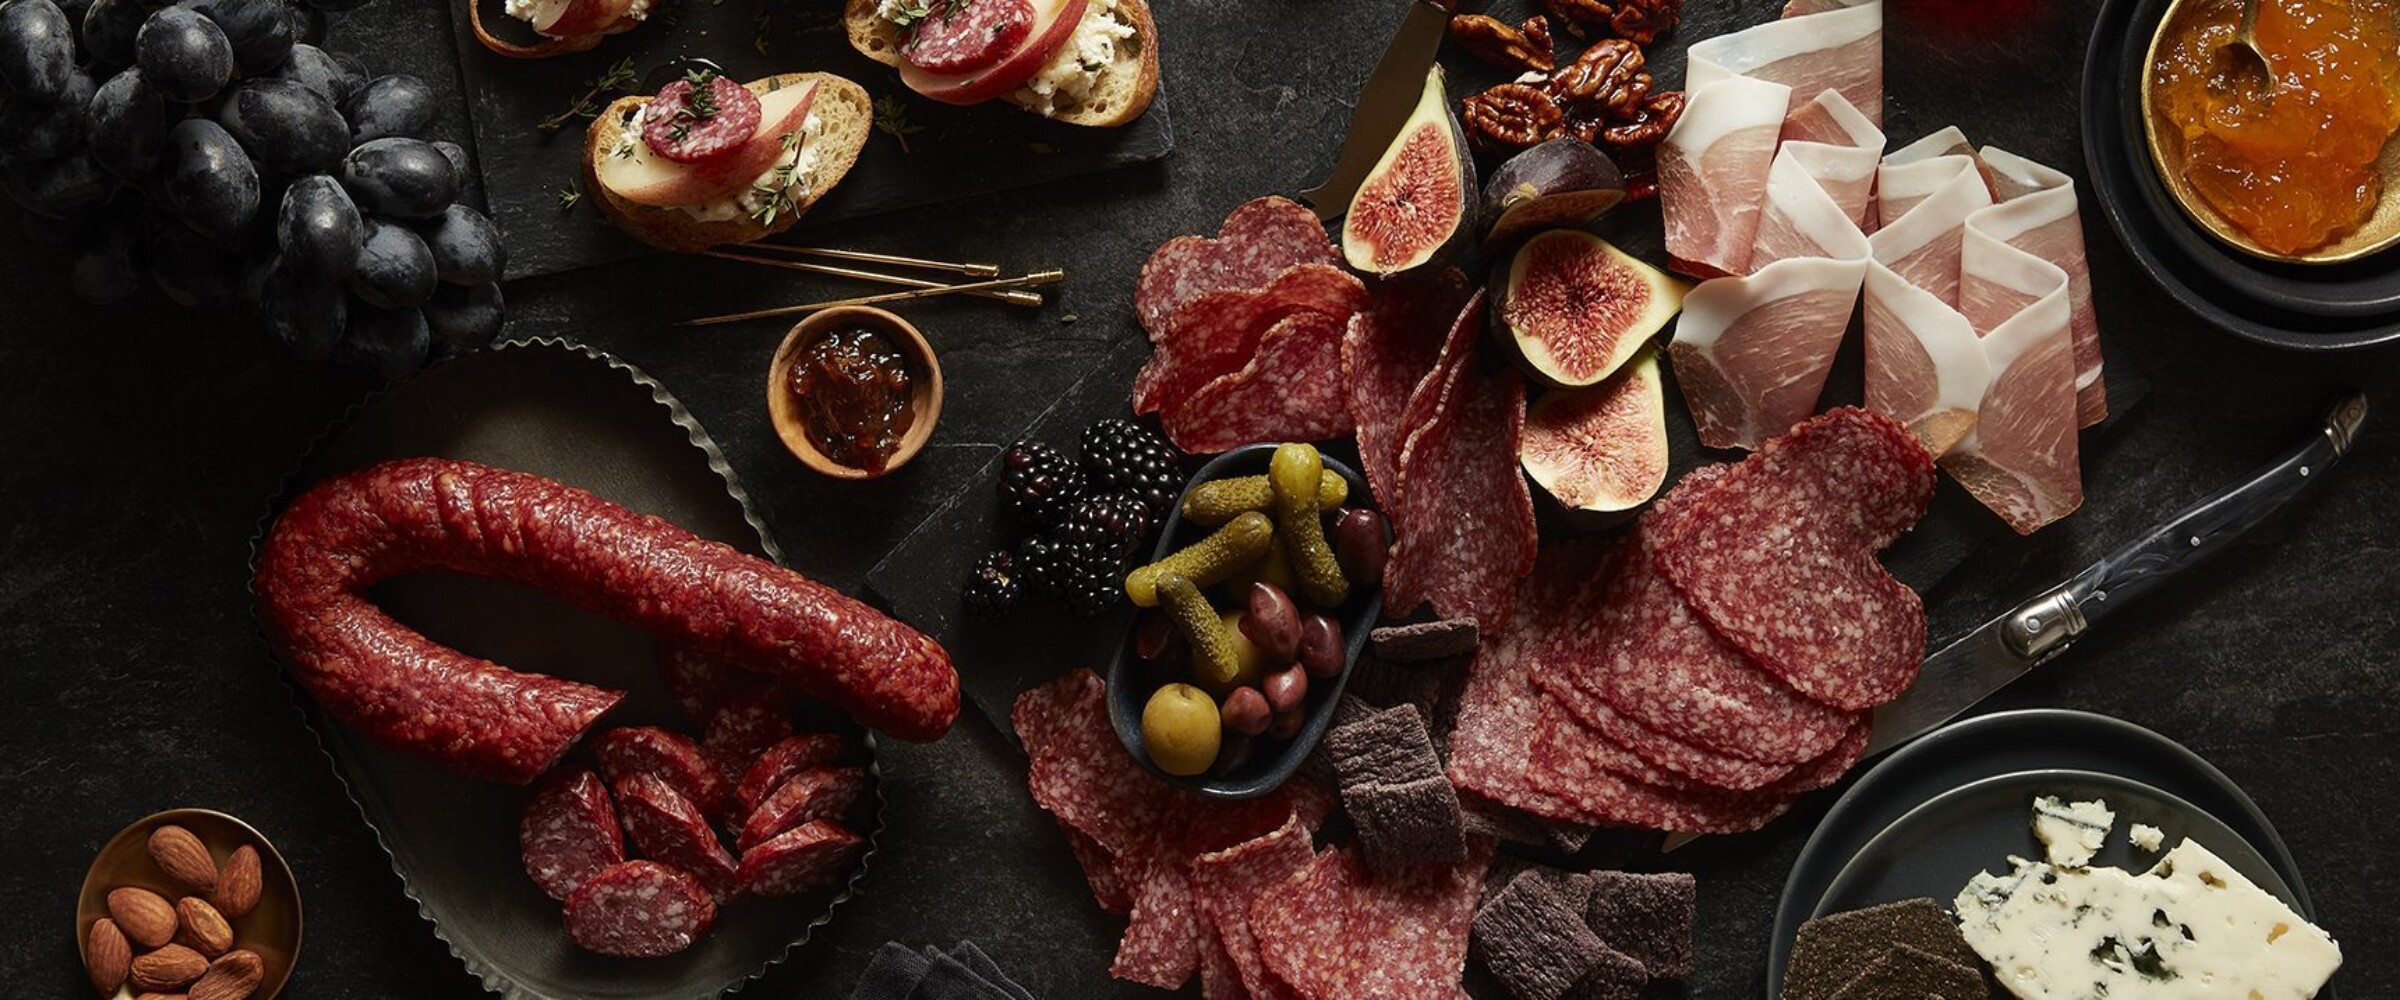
1817 45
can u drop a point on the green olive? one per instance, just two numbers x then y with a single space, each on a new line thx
1180 729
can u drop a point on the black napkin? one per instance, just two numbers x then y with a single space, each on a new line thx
963 973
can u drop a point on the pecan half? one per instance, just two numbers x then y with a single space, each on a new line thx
1581 14
1642 21
1492 40
1605 81
1510 116
1647 124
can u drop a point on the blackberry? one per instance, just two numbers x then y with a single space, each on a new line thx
1115 524
1041 560
1036 482
1120 456
1093 576
993 586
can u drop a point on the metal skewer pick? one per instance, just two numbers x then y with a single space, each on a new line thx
1049 277
971 270
1011 296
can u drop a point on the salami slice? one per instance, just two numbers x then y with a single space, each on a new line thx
966 36
805 858
824 793
1291 390
667 827
569 831
1658 752
1226 883
1099 871
1215 335
1465 530
1387 350
1335 929
742 729
1219 980
670 756
788 757
1779 557
682 125
639 909
1261 239
1693 809
1161 946
1498 706
702 684
1080 773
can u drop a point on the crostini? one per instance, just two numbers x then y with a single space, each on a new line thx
561 26
1084 62
708 162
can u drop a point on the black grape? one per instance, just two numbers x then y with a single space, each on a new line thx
258 30
390 106
37 49
395 270
184 55
319 230
69 187
192 269
109 28
383 344
210 182
41 131
310 67
126 124
403 178
307 23
286 128
466 247
457 155
464 317
305 315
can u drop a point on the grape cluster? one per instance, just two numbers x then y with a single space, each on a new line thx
211 147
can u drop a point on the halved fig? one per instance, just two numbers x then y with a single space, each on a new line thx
1600 451
1417 206
1577 307
1563 183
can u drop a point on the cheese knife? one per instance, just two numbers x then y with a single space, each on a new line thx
1970 669
1383 104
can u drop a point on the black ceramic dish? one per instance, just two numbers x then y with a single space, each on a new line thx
586 419
2007 743
2303 307
1130 680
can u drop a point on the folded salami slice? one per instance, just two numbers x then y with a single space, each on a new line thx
1458 351
1465 531
1291 390
1227 883
1216 334
1260 240
1779 558
1080 773
1388 349
667 827
1099 871
1625 747
1336 929
1161 946
1498 707
569 831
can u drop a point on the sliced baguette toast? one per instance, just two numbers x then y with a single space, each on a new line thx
1125 87
841 106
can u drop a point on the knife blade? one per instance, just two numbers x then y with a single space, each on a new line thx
2035 632
1391 91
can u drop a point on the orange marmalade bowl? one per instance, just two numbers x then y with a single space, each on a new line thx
2295 171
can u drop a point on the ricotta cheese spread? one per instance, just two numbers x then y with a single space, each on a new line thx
523 10
786 179
2191 928
2071 833
1074 71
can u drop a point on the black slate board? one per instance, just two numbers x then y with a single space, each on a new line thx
960 152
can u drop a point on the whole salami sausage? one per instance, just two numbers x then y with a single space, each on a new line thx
426 514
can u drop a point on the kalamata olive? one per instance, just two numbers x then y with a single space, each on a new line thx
1321 650
1273 623
1247 712
1232 753
1286 688
1361 545
1287 724
1153 637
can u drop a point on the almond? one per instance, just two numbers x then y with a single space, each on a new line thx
146 917
238 885
107 956
162 996
204 929
233 977
168 968
181 855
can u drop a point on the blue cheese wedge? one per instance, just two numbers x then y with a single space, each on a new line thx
2071 832
2190 928
2146 837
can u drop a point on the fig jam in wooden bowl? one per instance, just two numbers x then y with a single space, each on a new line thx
854 392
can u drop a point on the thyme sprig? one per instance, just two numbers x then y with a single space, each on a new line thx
891 118
619 79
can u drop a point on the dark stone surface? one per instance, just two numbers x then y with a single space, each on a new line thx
143 441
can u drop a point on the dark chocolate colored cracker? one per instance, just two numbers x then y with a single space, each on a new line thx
1648 917
1531 935
1909 973
1617 977
1831 948
1389 747
1437 640
1408 822
1384 684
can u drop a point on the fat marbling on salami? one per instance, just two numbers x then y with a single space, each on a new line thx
569 831
639 909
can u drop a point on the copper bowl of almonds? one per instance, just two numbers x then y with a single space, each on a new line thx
191 903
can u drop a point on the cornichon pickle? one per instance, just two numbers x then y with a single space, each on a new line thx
1221 500
1273 568
1299 520
1205 562
1215 660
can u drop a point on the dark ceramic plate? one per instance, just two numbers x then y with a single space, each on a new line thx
2333 307
1129 686
2009 743
589 420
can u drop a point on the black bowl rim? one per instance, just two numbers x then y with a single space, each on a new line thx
1125 715
2107 133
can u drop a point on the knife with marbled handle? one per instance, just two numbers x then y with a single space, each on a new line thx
1390 93
2008 647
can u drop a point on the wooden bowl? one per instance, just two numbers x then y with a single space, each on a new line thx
783 408
272 929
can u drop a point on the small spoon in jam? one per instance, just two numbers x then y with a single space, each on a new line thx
2243 51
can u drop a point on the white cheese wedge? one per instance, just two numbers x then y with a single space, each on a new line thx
2191 928
2147 837
2071 833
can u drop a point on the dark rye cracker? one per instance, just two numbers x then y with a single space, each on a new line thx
1434 640
1393 788
1646 916
1906 973
1831 949
1531 935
